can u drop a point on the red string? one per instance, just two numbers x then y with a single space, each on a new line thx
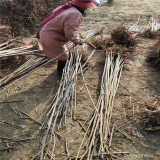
107 94
26 45
127 63
8 45
124 55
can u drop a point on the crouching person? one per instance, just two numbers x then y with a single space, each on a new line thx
60 27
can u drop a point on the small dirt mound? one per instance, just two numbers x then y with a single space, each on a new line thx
121 36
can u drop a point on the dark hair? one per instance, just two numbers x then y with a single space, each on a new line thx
79 8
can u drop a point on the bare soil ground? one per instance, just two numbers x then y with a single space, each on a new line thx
21 137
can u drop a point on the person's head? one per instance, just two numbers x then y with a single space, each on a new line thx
83 4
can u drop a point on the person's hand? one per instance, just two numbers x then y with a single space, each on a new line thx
82 42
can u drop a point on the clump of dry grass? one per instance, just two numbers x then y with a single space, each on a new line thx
24 16
5 32
150 34
154 56
151 116
117 49
121 42
101 42
121 36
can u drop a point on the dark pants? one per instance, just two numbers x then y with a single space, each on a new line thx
60 66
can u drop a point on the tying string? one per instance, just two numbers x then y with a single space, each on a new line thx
8 45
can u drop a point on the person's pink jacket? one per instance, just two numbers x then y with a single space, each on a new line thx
58 31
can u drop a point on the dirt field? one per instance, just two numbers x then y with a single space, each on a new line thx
21 137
